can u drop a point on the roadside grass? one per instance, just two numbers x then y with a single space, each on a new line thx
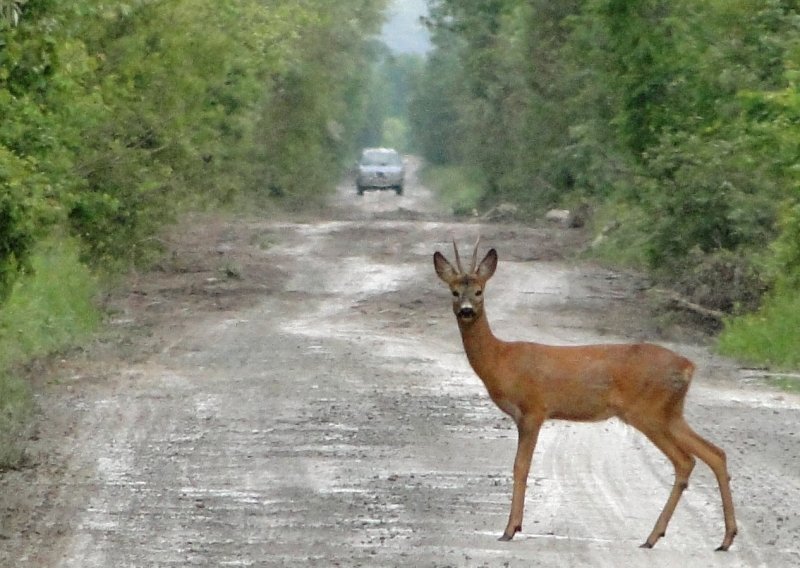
788 383
49 309
459 188
621 235
770 336
16 409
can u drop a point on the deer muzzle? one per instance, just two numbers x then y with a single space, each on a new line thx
466 311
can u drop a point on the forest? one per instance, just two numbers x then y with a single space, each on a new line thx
673 122
115 117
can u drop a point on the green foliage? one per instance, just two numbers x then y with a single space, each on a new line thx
49 308
676 121
459 188
113 121
32 161
17 220
434 119
622 237
118 116
785 260
386 95
706 196
395 134
769 336
310 120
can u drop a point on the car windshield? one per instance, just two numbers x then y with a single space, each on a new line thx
380 159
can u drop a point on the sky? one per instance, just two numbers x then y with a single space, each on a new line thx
403 32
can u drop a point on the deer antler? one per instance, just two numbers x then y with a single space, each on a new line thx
475 256
458 258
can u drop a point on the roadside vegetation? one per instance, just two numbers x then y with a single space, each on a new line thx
458 187
674 122
116 117
391 79
49 307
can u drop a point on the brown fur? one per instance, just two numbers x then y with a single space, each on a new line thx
642 384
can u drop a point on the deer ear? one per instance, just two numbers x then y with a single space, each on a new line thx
487 266
444 269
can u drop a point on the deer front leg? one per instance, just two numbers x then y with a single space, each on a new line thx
528 429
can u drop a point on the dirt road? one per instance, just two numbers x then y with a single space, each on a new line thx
295 394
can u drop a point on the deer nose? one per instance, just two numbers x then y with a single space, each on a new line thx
466 312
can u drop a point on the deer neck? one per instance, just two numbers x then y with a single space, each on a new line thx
481 346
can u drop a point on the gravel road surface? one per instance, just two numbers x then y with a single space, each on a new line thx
295 394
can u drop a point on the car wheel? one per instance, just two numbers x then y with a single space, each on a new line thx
398 189
359 190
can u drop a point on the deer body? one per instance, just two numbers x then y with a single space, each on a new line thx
586 383
642 384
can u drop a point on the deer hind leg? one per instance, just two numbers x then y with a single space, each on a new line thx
528 429
683 462
715 458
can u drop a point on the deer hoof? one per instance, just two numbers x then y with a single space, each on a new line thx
506 536
646 545
727 541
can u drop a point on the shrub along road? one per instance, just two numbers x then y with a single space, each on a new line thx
295 394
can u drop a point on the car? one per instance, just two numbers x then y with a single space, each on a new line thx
380 168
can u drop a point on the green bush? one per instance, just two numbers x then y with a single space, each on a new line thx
677 123
20 214
460 188
49 308
769 336
118 123
622 236
785 260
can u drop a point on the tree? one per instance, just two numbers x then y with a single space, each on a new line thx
115 116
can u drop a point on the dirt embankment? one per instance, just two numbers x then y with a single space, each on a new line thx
295 394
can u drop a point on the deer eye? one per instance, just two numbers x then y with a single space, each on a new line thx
478 292
455 293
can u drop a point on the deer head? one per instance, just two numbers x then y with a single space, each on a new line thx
466 287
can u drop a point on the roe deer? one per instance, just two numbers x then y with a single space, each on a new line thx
642 384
